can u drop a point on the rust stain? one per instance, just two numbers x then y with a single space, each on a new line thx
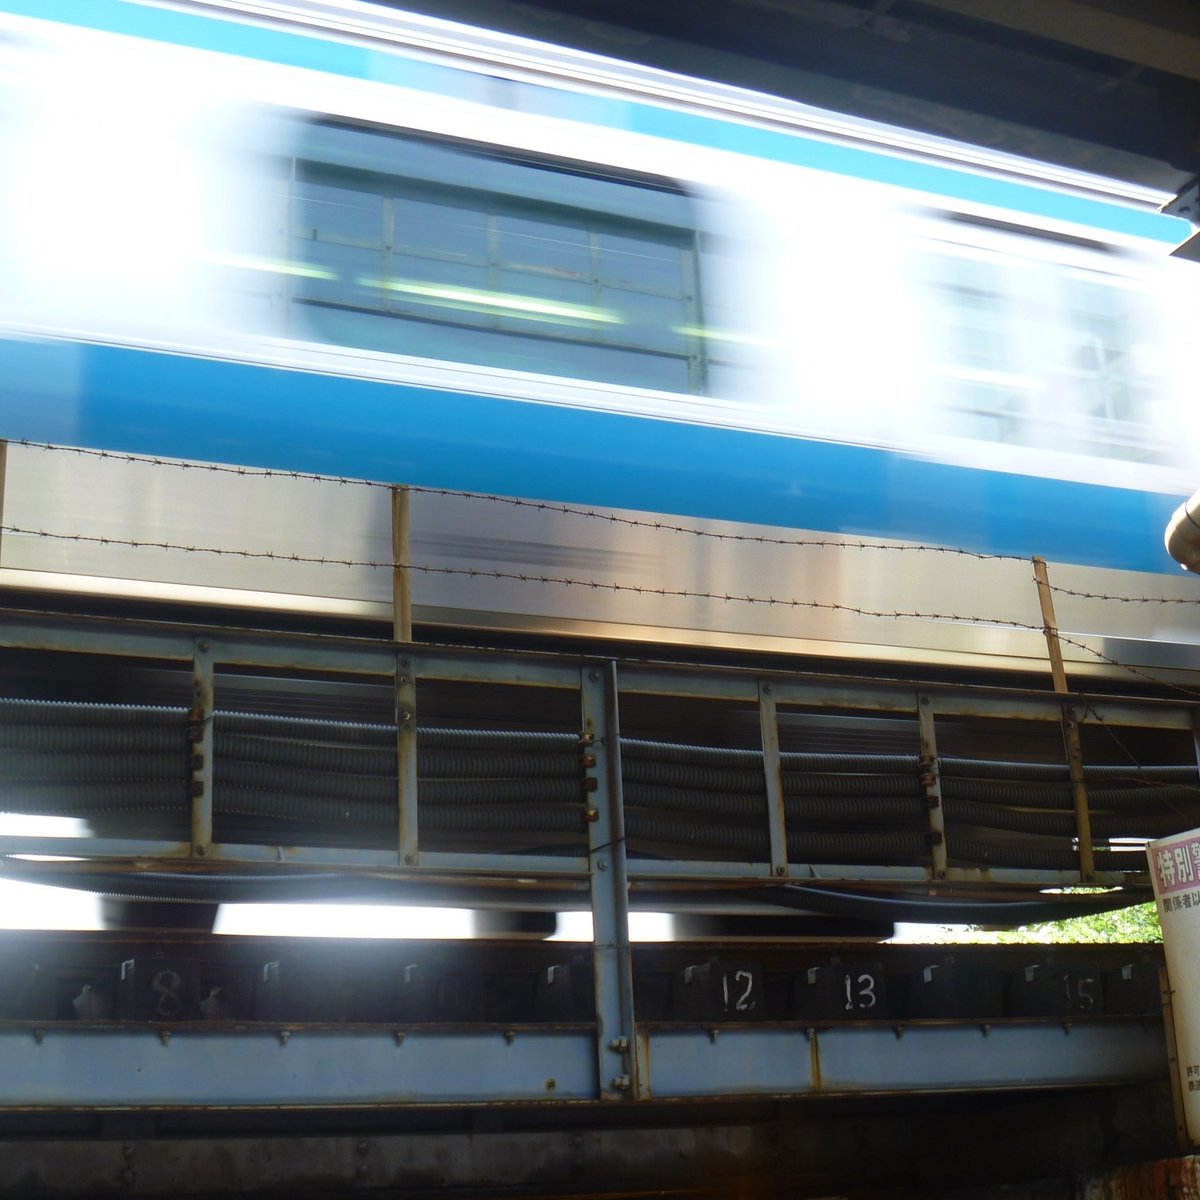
641 1049
1166 1179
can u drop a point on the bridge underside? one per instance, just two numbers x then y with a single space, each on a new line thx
1106 86
900 1148
213 765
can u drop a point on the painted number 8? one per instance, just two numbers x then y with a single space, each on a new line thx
166 985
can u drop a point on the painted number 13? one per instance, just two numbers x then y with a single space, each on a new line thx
865 995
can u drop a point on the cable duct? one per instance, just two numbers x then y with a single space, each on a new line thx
523 791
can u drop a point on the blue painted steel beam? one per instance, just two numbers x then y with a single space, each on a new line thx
857 1059
57 1068
100 1068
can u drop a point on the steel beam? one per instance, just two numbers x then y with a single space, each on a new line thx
200 721
1152 33
742 1061
406 758
612 962
931 781
768 723
925 1149
57 1068
53 1068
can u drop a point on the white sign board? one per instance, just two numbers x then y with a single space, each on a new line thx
1175 870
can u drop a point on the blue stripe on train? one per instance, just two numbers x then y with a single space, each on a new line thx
358 62
155 403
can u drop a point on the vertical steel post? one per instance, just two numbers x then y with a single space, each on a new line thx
612 963
406 757
768 721
201 720
1083 818
1058 671
406 682
931 781
401 575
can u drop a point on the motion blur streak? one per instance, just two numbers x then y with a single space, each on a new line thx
424 254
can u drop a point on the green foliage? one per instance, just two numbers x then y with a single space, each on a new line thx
1137 924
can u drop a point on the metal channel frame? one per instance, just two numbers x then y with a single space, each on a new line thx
615 1061
612 962
321 655
200 730
931 781
768 722
406 758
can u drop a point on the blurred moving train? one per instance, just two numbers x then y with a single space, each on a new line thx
323 237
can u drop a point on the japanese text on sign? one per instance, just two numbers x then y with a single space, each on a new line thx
1177 868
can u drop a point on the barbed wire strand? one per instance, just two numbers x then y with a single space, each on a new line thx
592 514
598 585
1138 775
481 573
1066 591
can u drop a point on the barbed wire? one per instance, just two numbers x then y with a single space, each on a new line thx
1137 672
200 467
592 514
1138 775
601 585
1066 591
512 576
598 515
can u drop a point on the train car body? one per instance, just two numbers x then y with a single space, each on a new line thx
663 361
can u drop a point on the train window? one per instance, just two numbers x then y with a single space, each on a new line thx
1036 351
1105 369
981 388
980 323
400 244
